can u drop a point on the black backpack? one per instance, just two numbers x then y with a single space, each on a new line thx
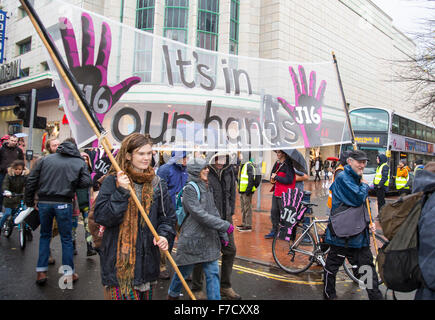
398 258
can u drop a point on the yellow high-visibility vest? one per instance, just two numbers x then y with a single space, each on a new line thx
378 176
401 182
244 178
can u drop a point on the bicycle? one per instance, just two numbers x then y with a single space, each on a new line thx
24 230
297 253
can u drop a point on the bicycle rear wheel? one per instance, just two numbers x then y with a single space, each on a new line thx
22 235
352 270
294 256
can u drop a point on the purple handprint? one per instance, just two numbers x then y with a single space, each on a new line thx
91 78
307 111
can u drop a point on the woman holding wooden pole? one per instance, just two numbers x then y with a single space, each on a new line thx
130 258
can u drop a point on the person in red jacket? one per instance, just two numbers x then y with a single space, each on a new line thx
283 178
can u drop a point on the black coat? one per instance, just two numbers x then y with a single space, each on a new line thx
14 184
57 176
110 207
223 185
9 155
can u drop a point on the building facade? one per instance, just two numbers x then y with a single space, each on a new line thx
363 37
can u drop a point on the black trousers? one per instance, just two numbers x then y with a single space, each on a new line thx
380 194
361 257
317 175
275 212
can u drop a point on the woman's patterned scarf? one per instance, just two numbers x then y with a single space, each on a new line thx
126 253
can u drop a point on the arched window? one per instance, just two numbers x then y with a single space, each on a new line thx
176 20
208 24
234 26
144 45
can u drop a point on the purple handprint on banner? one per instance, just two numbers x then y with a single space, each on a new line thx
307 111
91 78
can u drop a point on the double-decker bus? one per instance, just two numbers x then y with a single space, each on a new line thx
379 130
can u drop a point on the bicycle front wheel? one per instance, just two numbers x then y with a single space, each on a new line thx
352 270
294 256
22 235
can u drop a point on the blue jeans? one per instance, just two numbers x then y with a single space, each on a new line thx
63 214
211 271
6 214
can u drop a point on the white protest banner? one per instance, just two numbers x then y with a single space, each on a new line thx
188 98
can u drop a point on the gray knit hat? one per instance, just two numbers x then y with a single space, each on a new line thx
195 165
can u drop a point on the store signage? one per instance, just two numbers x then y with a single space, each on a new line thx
10 71
418 146
403 144
3 18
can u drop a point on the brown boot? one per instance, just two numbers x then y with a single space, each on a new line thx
41 278
200 295
229 294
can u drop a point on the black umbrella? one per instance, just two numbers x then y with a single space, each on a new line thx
298 160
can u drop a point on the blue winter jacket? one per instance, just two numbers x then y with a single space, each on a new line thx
348 189
425 181
175 174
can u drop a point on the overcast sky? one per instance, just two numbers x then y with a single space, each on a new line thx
407 14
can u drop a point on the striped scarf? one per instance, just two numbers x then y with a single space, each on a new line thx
126 253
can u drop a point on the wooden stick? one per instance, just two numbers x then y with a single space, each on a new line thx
104 141
353 141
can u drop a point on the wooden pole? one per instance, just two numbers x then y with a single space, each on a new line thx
346 110
104 141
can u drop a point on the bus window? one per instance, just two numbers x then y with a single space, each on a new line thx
420 132
403 126
369 119
411 129
395 124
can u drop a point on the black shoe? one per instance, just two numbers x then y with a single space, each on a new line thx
245 229
75 250
332 297
91 251
240 226
41 278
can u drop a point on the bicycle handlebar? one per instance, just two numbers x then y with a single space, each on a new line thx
12 194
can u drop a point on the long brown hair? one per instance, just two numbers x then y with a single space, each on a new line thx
129 144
